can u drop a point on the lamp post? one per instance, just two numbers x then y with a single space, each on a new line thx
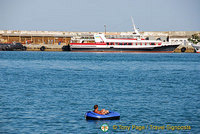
105 28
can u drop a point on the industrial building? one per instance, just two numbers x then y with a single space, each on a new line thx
32 37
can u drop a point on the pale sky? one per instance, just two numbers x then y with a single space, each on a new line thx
92 15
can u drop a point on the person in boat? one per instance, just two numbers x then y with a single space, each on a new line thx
103 111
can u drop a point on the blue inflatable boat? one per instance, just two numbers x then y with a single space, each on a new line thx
90 115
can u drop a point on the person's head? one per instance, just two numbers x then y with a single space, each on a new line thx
95 106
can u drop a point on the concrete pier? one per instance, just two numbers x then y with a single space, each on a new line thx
48 47
184 49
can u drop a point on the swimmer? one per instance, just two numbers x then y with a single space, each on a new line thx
103 111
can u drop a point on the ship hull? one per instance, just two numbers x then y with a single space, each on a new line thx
162 49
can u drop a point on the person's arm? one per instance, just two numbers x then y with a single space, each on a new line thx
98 112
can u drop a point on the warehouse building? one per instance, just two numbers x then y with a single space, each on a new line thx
34 38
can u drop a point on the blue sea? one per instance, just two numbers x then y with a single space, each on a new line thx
50 92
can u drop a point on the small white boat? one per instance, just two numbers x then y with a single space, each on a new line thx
196 47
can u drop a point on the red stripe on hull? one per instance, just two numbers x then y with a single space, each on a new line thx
87 44
125 51
121 39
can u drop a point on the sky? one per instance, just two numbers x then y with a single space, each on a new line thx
92 15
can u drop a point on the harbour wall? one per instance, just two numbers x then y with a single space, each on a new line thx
55 40
72 34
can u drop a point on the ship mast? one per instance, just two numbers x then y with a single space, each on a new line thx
136 32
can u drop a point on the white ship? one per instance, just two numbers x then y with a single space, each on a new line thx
135 44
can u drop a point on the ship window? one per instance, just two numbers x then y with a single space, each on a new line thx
111 43
152 43
129 43
125 43
116 43
107 43
120 43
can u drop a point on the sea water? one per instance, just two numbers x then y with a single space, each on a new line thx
49 92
